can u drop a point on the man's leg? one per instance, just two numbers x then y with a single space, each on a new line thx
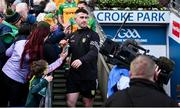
72 92
88 91
88 102
72 99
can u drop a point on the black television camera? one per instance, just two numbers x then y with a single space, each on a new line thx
121 54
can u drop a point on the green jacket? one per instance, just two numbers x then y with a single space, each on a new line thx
8 32
36 92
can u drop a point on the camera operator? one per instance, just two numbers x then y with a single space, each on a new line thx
119 75
143 90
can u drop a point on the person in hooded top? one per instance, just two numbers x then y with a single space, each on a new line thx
10 23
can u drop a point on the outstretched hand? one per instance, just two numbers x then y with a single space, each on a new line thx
64 54
48 78
63 43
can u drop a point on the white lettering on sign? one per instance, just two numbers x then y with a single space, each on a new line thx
133 16
128 33
125 34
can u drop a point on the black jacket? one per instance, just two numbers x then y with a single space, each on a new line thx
84 45
142 93
51 46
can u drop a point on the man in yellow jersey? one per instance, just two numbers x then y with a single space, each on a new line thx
91 21
66 11
59 2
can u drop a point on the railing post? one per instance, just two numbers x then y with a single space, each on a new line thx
48 98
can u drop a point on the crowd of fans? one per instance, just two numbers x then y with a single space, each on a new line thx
33 34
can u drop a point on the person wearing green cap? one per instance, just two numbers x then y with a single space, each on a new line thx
12 21
8 31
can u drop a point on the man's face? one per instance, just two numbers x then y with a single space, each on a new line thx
69 1
81 6
81 19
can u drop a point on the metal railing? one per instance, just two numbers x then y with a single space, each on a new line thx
48 98
103 73
103 68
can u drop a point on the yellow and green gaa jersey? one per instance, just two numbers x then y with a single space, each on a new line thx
67 10
59 2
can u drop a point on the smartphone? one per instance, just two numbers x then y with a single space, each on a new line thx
66 48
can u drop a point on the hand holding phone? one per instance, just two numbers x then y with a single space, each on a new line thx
63 42
66 48
64 53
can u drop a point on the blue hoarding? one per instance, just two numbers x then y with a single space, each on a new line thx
150 35
174 55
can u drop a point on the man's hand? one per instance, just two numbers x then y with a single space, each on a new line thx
63 55
67 28
157 71
76 63
63 42
48 78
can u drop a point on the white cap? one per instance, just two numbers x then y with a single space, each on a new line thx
50 7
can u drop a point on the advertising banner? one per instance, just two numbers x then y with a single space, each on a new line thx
133 16
174 47
174 28
151 35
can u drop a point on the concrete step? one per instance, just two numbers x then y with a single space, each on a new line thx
62 85
79 104
59 91
59 80
59 76
60 97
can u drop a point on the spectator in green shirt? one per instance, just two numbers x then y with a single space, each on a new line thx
91 21
66 11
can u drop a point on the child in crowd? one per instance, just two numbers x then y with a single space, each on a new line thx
40 70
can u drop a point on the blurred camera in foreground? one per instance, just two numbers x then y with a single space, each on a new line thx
122 54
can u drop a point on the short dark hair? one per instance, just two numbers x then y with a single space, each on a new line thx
81 10
38 67
82 2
